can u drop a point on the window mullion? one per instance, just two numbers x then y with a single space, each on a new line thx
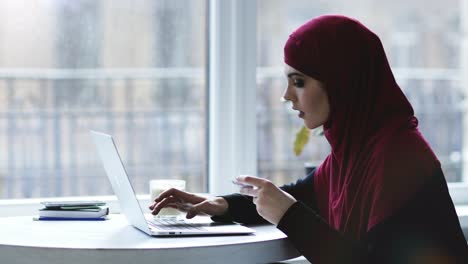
232 92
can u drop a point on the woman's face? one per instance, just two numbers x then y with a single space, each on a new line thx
308 96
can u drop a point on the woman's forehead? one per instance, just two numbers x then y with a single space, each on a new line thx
288 70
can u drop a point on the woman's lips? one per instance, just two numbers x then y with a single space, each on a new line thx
301 114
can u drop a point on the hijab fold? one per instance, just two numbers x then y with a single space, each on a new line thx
378 158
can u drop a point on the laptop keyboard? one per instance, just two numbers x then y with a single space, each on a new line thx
173 224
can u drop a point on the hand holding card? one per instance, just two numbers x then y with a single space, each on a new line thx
271 202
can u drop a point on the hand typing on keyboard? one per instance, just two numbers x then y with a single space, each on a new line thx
190 203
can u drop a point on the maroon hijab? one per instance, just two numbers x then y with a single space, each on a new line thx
378 157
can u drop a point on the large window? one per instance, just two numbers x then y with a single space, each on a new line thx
424 48
134 69
137 70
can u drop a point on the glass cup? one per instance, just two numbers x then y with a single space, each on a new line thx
158 186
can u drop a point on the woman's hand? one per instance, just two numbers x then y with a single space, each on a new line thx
271 201
190 203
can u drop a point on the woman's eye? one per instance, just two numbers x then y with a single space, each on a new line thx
299 83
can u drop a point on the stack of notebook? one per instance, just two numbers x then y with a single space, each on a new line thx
73 210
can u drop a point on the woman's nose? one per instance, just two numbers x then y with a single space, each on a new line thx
287 95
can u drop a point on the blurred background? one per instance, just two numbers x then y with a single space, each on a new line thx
137 69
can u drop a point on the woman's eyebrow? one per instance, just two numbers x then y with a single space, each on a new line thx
294 74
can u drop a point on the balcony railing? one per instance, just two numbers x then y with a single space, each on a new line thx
46 117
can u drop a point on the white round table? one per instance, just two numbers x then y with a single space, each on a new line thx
23 240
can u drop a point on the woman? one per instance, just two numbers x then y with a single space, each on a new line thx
380 196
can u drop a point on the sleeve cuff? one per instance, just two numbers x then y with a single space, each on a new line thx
289 215
294 216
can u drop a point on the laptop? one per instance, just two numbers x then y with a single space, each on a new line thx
130 207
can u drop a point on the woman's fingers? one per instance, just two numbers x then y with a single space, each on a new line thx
252 185
251 180
184 207
171 192
216 206
164 203
181 195
250 191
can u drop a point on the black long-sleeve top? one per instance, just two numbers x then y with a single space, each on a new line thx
425 230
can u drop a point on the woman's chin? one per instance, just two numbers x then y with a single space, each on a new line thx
311 125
